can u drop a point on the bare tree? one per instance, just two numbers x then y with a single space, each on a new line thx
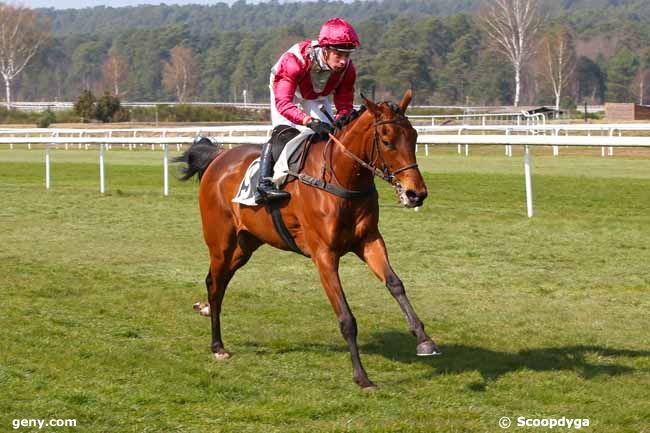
22 31
179 73
559 60
114 73
643 76
512 26
643 80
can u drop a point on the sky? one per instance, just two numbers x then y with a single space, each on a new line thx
80 4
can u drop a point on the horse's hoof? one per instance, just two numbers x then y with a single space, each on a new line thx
365 384
221 356
371 388
428 348
202 309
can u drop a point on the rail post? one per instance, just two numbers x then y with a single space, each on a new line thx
102 188
529 181
47 166
165 169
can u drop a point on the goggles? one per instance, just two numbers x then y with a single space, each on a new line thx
342 48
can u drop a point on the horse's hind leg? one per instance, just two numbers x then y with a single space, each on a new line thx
373 252
224 262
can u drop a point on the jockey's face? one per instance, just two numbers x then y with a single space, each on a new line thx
336 60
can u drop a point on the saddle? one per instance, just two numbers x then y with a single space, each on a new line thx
289 148
290 151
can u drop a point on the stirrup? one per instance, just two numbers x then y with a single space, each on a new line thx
272 193
266 191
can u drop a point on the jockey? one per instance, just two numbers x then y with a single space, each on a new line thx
301 81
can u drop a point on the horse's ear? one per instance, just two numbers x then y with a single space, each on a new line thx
406 99
372 107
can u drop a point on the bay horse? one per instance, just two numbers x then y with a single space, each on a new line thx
325 225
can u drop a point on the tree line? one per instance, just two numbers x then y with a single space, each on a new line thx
581 51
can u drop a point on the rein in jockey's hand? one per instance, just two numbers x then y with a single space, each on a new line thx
320 128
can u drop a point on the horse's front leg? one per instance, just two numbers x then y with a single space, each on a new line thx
374 253
328 267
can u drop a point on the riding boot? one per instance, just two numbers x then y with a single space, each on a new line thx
266 190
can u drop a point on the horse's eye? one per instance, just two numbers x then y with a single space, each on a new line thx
387 143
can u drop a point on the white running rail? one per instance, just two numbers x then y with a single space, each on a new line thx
591 135
483 119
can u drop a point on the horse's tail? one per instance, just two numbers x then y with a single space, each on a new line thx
197 158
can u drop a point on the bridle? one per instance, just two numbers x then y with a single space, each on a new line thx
375 153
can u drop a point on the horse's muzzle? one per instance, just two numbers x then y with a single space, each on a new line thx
413 198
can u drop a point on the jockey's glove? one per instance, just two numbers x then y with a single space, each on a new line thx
341 121
320 128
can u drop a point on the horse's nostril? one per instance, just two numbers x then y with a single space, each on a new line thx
411 195
416 197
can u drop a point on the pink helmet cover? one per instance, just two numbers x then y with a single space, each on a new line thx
337 31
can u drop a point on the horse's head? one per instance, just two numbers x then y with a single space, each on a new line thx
393 149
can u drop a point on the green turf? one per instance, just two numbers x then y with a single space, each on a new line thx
541 318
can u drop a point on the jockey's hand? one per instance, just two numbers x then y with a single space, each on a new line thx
341 121
320 128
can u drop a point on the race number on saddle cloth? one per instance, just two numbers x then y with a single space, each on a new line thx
284 164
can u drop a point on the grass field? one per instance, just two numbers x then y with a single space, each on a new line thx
540 318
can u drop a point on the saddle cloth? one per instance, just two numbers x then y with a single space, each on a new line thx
284 163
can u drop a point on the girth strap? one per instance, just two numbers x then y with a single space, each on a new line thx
281 228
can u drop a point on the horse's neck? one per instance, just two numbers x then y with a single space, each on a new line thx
346 171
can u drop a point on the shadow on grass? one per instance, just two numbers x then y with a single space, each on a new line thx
491 364
587 361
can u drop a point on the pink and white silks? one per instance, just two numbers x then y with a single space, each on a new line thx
301 81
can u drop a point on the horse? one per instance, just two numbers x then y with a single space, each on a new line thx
337 214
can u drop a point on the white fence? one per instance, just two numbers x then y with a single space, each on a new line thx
516 118
607 135
603 135
59 106
130 138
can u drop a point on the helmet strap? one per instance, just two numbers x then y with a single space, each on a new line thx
321 58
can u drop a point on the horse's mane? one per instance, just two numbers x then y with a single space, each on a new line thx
355 114
344 121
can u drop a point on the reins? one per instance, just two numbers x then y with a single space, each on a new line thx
384 173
